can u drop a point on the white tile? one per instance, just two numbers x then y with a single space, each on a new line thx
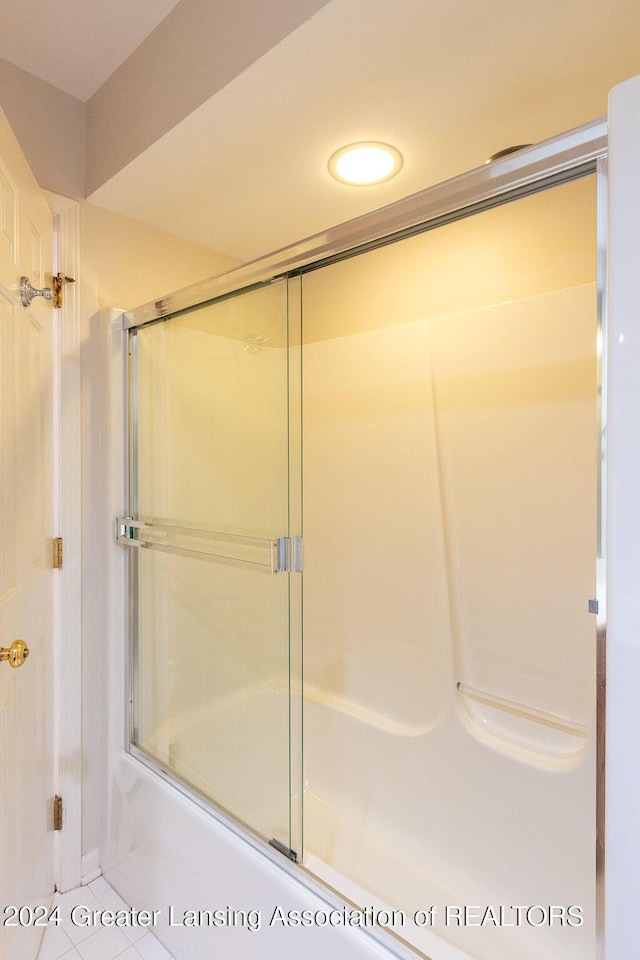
151 949
78 932
73 898
130 954
54 943
110 900
80 897
77 942
133 934
106 944
113 901
99 886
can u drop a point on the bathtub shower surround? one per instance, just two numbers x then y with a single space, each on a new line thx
449 649
413 433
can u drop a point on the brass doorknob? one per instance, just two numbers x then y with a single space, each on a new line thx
16 654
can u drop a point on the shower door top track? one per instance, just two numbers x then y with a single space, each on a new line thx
548 163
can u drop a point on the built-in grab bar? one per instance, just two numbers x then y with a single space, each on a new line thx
254 553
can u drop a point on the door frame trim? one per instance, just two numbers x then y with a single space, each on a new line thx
67 666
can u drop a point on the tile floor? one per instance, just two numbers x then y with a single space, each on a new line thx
68 941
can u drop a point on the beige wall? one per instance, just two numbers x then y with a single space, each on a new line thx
50 126
125 263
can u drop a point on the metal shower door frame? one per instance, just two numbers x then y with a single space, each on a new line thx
569 156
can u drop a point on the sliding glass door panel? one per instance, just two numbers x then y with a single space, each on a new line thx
212 424
212 692
212 684
451 459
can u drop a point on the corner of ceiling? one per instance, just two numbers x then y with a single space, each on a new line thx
191 55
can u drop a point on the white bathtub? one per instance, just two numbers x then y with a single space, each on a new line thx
445 844
164 852
451 816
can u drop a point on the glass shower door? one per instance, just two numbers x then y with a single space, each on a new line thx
214 652
451 460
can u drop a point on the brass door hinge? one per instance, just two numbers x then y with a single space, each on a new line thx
57 282
57 553
57 812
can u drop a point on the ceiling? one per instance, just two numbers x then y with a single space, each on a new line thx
76 44
448 83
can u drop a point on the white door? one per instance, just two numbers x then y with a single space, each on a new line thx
26 574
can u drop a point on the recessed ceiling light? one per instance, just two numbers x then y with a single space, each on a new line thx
362 164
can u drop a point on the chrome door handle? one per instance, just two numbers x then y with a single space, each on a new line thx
28 292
